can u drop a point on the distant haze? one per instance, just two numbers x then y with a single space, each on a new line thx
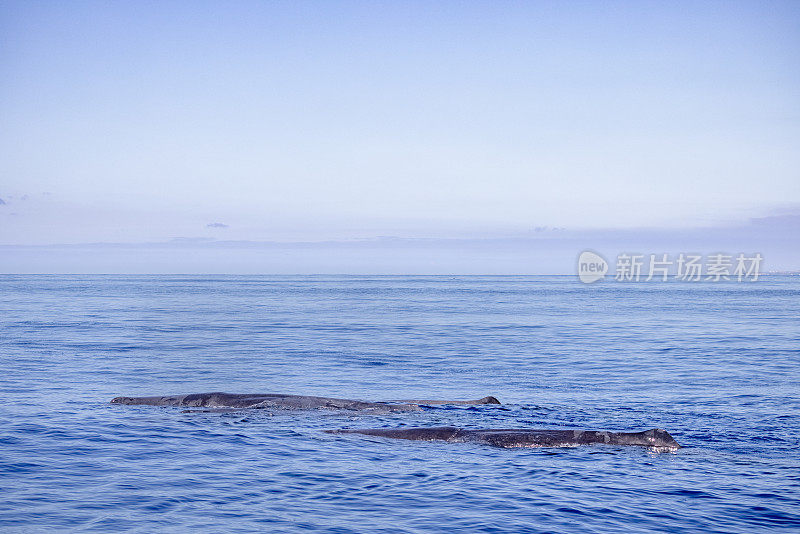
135 123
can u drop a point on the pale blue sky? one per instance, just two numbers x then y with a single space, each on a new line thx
145 121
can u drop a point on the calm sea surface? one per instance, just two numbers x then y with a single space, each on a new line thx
717 365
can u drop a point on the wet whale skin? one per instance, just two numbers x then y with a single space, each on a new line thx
276 400
521 437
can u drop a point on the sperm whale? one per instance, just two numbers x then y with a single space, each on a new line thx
523 437
218 400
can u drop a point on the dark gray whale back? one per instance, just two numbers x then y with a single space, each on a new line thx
268 400
484 400
521 437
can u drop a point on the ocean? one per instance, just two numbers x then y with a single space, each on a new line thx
715 364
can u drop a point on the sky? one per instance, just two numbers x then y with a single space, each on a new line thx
141 122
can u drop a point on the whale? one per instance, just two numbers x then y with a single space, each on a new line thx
219 400
655 438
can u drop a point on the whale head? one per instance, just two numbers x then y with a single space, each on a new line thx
658 438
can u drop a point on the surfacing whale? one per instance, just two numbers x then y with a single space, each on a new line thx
523 437
218 400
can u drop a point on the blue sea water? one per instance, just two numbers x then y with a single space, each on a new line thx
716 364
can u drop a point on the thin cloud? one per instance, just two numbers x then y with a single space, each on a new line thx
788 218
216 225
